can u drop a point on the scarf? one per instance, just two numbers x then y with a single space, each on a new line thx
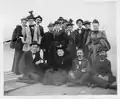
37 37
24 33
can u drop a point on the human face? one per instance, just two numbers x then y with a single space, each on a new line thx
80 53
57 26
88 26
70 28
95 26
50 28
79 24
31 21
102 53
34 48
23 22
38 20
60 52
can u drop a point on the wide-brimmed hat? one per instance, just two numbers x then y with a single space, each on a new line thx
70 24
34 43
31 16
95 21
38 17
50 25
79 20
86 22
60 19
56 22
102 49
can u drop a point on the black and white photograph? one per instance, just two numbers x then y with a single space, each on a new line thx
59 47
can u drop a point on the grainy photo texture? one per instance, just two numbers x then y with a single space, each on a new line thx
59 47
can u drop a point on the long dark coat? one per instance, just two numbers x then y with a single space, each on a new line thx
46 43
78 37
85 37
62 39
18 52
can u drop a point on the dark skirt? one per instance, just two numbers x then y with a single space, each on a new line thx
55 77
17 56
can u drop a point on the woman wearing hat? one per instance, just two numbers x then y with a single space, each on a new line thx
47 41
18 40
39 31
95 39
60 65
30 27
87 32
71 46
34 31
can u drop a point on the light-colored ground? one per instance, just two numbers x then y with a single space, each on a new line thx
39 89
14 88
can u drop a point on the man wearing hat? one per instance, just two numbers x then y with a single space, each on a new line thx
30 62
47 41
39 31
78 34
87 32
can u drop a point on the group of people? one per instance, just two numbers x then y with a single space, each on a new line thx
75 57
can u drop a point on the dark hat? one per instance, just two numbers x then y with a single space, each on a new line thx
79 20
60 19
38 17
50 25
69 24
65 21
31 16
70 20
34 43
95 21
101 49
86 22
24 19
57 22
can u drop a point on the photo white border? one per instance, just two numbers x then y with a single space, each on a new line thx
70 96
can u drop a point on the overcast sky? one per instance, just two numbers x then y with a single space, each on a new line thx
50 10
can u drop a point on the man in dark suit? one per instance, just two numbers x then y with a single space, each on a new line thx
38 20
30 62
78 34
